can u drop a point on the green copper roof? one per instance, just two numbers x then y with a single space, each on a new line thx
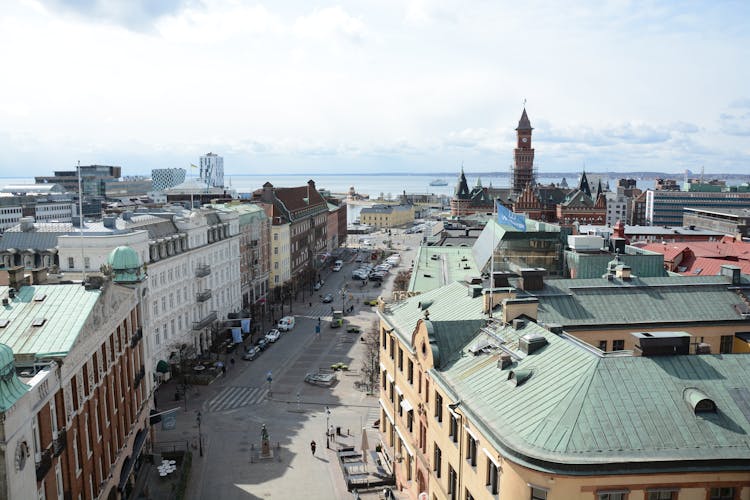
248 212
448 303
11 388
437 266
596 301
583 413
62 311
125 264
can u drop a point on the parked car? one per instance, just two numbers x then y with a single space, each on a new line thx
359 275
328 298
377 275
337 267
273 335
261 344
251 354
317 286
285 324
359 258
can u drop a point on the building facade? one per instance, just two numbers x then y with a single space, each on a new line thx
387 216
727 221
212 170
43 202
665 208
93 179
76 418
163 178
479 406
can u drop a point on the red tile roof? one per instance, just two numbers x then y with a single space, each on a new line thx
704 266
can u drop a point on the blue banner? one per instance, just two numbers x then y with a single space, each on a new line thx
508 218
245 325
237 335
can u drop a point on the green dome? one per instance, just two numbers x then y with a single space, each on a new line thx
11 388
125 264
6 357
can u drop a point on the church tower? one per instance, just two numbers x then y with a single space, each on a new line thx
523 161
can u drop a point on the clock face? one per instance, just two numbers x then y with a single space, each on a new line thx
524 139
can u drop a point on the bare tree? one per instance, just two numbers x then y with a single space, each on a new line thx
184 354
371 362
401 281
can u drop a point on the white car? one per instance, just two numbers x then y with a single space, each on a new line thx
285 324
337 267
273 335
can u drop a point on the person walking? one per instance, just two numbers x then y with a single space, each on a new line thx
312 446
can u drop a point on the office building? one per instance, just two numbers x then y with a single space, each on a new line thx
163 178
665 208
212 170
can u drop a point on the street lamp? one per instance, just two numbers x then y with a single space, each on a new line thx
328 435
200 435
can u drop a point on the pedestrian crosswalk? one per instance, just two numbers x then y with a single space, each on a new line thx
237 397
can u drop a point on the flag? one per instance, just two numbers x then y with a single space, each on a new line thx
245 322
169 420
508 218
194 166
237 335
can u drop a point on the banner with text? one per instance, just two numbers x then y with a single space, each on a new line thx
508 218
237 335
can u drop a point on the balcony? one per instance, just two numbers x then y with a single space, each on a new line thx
60 443
137 336
203 296
139 376
202 270
205 322
43 465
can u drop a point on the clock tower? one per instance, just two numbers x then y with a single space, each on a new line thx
523 156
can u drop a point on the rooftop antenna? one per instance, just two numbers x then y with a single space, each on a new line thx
80 219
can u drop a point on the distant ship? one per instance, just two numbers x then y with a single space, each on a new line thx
438 182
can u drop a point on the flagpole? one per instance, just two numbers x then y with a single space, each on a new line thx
80 220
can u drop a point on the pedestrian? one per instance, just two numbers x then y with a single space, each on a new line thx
310 304
231 362
312 447
224 370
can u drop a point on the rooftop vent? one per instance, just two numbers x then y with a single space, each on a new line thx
38 321
519 324
5 302
479 346
555 328
424 304
27 224
475 291
698 400
531 343
4 322
109 222
703 348
532 279
505 361
519 377
11 293
39 297
661 343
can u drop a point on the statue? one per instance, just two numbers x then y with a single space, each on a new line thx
265 445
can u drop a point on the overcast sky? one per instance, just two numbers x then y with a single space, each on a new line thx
374 85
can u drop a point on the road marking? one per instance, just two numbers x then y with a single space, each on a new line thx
237 397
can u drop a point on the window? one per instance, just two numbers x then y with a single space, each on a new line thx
410 420
393 347
662 495
71 263
471 449
410 372
722 494
400 359
438 407
400 407
612 495
382 380
726 344
491 478
538 493
453 428
59 480
602 345
437 460
618 345
468 494
385 339
86 262
452 483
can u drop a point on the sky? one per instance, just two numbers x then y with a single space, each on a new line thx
374 85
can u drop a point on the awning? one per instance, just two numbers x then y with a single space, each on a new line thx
404 441
385 409
492 458
162 367
406 405
127 466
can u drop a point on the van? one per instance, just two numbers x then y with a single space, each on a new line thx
338 265
285 324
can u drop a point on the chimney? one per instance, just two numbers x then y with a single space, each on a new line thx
27 224
733 272
623 272
497 295
532 279
531 343
267 194
505 361
475 291
39 276
500 279
16 278
555 328
617 245
515 307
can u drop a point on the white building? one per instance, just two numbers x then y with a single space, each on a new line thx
47 202
212 170
192 262
618 206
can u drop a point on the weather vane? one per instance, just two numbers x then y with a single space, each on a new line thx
524 102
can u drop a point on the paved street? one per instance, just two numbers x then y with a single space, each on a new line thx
235 407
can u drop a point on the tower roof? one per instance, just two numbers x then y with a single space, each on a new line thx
126 264
524 123
583 185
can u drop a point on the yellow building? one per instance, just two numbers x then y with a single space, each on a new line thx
493 406
386 216
280 266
